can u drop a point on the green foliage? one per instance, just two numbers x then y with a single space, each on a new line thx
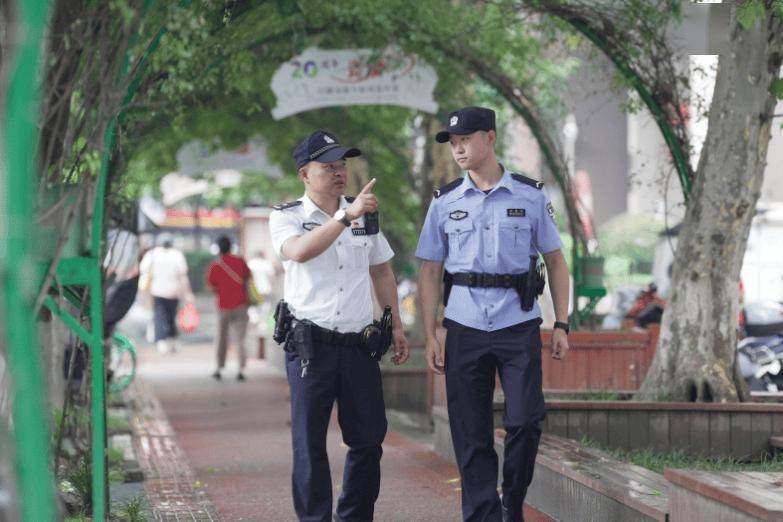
117 423
134 509
657 462
750 11
78 480
197 269
631 237
777 88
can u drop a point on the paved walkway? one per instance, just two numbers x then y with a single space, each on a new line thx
222 450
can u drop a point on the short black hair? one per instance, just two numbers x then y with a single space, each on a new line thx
224 244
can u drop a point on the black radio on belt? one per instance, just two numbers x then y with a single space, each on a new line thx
283 322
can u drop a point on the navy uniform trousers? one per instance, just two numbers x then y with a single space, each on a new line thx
472 357
353 379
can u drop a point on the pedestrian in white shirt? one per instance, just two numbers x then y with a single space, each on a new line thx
164 275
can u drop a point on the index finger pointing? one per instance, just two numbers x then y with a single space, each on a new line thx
368 187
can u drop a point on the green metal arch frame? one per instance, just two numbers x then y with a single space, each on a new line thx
35 480
123 344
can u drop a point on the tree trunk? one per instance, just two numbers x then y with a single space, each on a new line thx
696 355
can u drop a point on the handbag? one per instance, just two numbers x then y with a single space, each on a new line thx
145 279
188 318
254 298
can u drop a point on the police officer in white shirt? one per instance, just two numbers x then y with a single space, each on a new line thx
331 254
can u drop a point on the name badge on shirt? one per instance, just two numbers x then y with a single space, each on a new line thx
358 229
310 225
515 212
458 214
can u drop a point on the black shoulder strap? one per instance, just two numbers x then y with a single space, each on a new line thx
448 187
528 181
349 199
290 204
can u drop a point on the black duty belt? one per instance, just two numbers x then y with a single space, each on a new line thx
327 336
480 280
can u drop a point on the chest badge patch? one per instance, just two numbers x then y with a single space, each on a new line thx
515 212
458 214
310 225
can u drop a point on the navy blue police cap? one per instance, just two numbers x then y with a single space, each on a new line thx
323 147
467 121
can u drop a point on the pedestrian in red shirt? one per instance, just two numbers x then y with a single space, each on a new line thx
227 277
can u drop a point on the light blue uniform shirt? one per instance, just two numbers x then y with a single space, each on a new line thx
495 233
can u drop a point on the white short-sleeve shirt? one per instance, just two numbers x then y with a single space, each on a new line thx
165 266
332 289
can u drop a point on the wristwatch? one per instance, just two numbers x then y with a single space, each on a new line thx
562 326
342 218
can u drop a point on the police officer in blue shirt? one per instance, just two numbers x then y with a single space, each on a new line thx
487 230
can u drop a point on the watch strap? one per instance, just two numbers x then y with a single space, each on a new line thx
562 326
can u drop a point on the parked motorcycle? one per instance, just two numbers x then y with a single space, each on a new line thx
760 354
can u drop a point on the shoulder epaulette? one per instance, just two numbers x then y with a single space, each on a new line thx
283 206
528 181
448 187
349 199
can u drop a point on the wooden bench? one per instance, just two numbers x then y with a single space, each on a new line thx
725 496
574 482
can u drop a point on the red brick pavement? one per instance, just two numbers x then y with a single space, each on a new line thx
231 456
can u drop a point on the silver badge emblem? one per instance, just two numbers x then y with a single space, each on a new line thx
327 139
458 214
453 121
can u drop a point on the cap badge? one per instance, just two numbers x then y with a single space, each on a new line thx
453 121
327 139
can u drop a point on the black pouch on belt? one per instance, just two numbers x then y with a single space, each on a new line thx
377 337
302 340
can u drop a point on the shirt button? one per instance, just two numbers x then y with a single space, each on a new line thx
340 267
338 313
492 306
339 243
486 228
341 289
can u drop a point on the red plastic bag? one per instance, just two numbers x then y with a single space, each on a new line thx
187 318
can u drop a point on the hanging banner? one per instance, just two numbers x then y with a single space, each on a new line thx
328 78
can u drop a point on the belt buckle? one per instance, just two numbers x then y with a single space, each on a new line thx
472 279
508 281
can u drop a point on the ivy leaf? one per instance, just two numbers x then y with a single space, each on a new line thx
777 88
777 8
749 12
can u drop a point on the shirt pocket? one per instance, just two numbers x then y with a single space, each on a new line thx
462 236
358 252
515 236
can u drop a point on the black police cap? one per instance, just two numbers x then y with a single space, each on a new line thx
467 121
323 147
